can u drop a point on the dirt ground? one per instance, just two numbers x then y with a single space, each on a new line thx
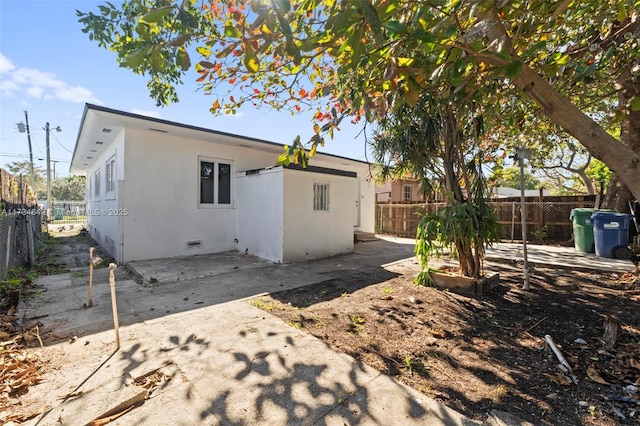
475 355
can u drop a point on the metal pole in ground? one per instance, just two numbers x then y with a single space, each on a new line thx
91 251
521 155
112 284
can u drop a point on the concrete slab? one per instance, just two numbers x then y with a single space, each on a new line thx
565 257
383 250
194 267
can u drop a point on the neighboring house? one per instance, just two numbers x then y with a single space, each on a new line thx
504 192
400 190
159 189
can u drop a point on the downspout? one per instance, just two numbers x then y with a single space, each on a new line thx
121 219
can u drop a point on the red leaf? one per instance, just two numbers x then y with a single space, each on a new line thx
232 99
256 91
233 80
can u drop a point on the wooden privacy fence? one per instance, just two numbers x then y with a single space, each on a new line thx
15 193
19 223
547 218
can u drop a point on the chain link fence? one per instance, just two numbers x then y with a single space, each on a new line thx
68 212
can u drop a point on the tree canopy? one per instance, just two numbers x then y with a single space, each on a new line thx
575 64
70 188
17 168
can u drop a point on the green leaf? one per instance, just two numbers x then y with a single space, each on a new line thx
284 5
204 51
179 41
396 27
182 59
563 60
231 31
250 58
157 14
371 15
634 103
513 69
252 64
283 159
135 59
531 51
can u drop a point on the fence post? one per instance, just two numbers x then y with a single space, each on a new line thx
31 239
541 230
91 260
513 219
114 308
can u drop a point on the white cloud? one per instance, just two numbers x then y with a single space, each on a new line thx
36 84
5 64
148 113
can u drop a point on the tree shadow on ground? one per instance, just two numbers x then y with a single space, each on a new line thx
275 378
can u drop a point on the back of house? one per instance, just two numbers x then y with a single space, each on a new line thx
158 189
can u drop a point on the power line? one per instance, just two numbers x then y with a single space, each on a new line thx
13 155
63 147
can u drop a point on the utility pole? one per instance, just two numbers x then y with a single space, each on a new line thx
49 211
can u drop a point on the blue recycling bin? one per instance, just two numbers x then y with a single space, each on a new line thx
610 232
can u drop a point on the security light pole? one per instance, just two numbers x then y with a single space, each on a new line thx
47 130
521 155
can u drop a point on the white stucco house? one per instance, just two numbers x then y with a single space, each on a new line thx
158 189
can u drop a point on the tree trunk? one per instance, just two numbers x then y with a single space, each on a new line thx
621 159
618 194
450 157
466 259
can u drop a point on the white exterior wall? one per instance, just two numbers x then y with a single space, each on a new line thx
366 206
162 190
309 234
103 212
367 201
260 213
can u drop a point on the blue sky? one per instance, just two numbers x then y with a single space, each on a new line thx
49 68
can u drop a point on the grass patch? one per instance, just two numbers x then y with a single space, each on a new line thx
266 304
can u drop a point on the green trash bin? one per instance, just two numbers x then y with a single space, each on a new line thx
583 230
58 214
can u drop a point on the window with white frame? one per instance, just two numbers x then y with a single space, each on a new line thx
407 193
215 182
96 184
110 175
320 197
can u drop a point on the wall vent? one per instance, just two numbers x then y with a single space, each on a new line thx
194 244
